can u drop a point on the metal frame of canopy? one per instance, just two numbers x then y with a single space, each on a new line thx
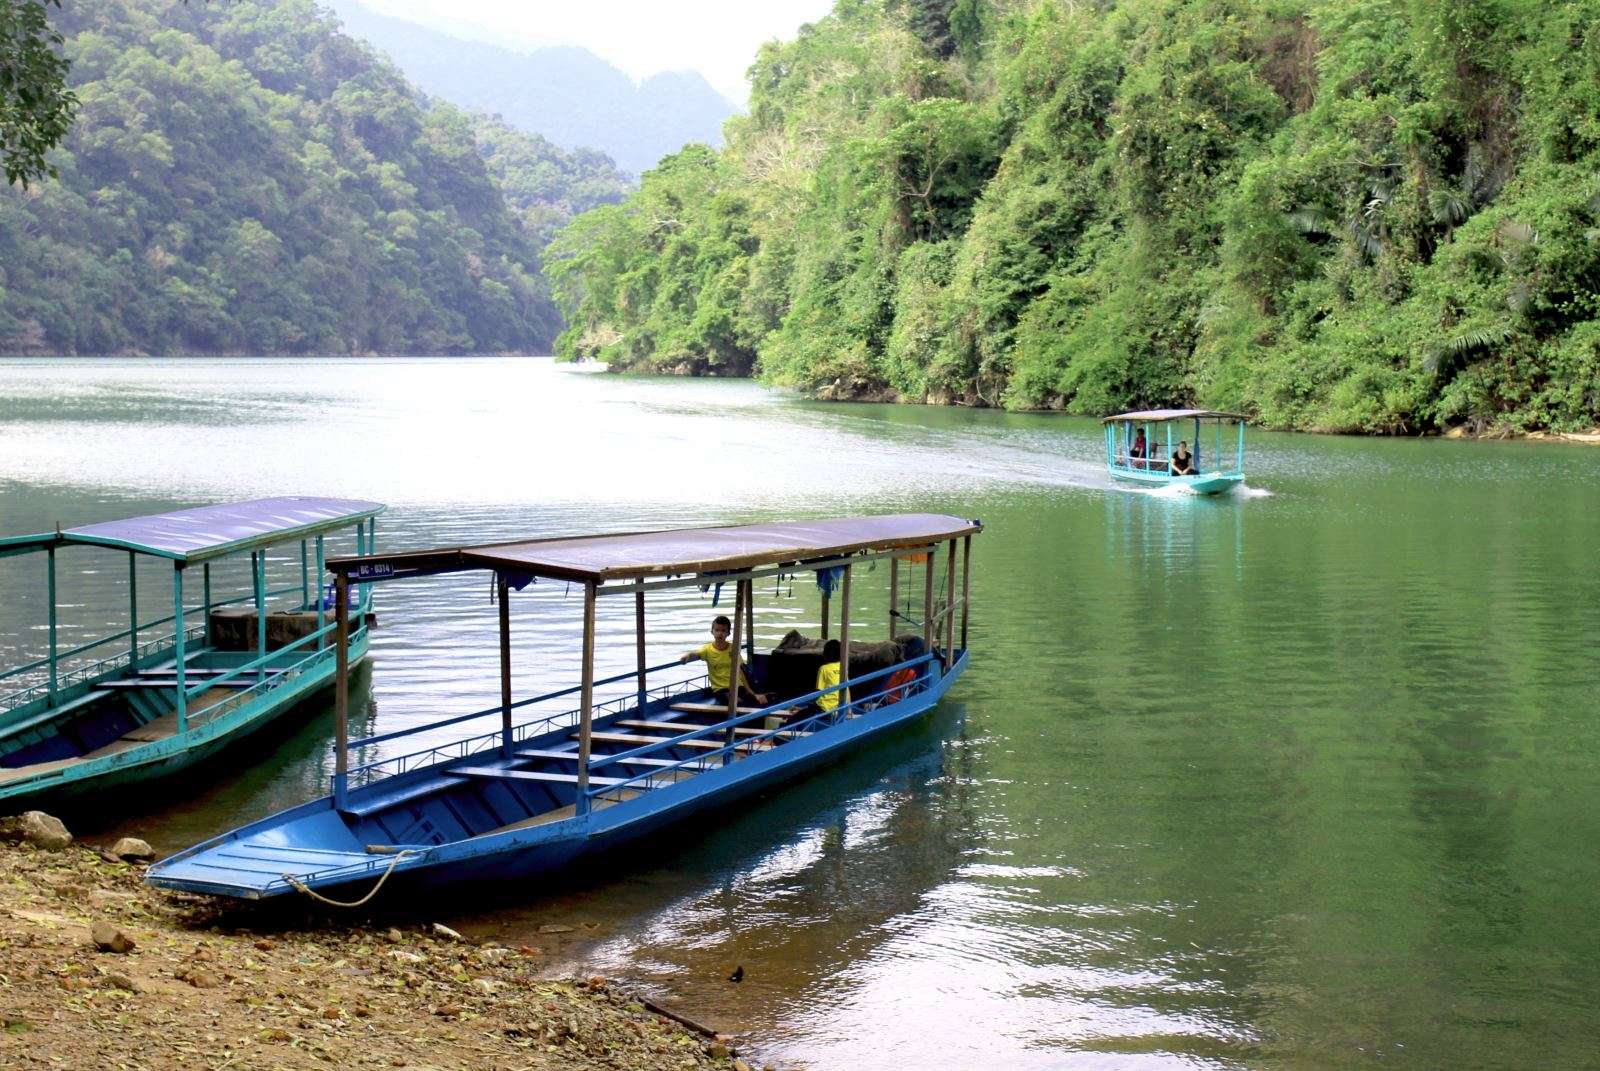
623 563
188 537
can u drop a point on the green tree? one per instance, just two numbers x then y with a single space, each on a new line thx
36 107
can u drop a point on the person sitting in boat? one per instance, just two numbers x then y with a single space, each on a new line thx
1139 450
1182 460
828 676
718 657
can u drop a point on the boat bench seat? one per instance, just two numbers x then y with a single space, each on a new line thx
382 801
685 727
710 708
641 741
532 775
172 682
598 759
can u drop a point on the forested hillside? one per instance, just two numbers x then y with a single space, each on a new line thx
567 94
242 177
1362 215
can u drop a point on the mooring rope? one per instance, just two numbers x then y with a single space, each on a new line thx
301 886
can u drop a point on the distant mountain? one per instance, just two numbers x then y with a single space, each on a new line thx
568 95
244 178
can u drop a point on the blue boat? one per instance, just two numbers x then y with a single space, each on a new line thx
540 791
1140 446
161 695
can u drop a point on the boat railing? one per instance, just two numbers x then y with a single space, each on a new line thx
392 766
660 777
277 678
12 700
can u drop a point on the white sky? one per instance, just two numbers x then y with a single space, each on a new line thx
718 38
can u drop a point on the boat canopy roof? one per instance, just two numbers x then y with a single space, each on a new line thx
192 535
1158 416
674 552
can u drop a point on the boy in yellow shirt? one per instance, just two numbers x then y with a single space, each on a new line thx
718 657
828 676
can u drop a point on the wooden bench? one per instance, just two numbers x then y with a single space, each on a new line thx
531 775
572 756
684 727
640 741
711 708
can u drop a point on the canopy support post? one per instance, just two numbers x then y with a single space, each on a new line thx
258 576
894 594
322 641
750 622
50 569
824 613
966 585
844 644
586 709
341 688
735 667
927 602
305 575
638 621
950 605
177 615
205 595
361 589
503 592
133 613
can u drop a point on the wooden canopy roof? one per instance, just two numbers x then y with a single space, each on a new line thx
1158 416
673 552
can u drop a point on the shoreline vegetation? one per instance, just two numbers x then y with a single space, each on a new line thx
99 970
1355 216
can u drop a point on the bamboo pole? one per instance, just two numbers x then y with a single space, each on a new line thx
177 649
927 602
638 620
734 665
894 593
503 591
586 711
341 689
966 586
50 571
950 605
844 639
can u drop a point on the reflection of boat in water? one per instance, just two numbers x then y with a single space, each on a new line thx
1140 444
144 702
536 795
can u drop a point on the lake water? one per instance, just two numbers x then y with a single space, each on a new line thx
1307 776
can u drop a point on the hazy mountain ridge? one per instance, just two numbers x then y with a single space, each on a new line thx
564 93
243 178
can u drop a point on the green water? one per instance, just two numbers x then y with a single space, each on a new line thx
1306 776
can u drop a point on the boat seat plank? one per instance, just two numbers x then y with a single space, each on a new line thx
531 775
685 727
545 753
710 708
169 682
640 741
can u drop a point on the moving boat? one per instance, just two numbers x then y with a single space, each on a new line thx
1139 447
542 790
146 702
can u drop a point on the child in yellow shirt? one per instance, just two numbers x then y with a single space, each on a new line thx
828 676
718 657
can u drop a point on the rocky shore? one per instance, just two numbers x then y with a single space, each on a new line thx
98 970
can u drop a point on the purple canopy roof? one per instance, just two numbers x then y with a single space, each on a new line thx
207 531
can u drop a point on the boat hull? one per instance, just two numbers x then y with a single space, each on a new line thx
1205 483
94 781
219 866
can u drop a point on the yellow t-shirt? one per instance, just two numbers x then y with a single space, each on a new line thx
827 677
719 665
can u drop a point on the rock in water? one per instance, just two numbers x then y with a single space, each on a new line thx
133 850
108 938
37 828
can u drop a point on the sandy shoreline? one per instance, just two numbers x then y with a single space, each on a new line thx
206 987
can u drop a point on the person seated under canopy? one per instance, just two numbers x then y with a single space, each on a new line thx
1182 460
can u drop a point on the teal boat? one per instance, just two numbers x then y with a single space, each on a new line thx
159 696
1140 447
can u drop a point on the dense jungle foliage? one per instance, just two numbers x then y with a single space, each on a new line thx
1361 215
241 177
